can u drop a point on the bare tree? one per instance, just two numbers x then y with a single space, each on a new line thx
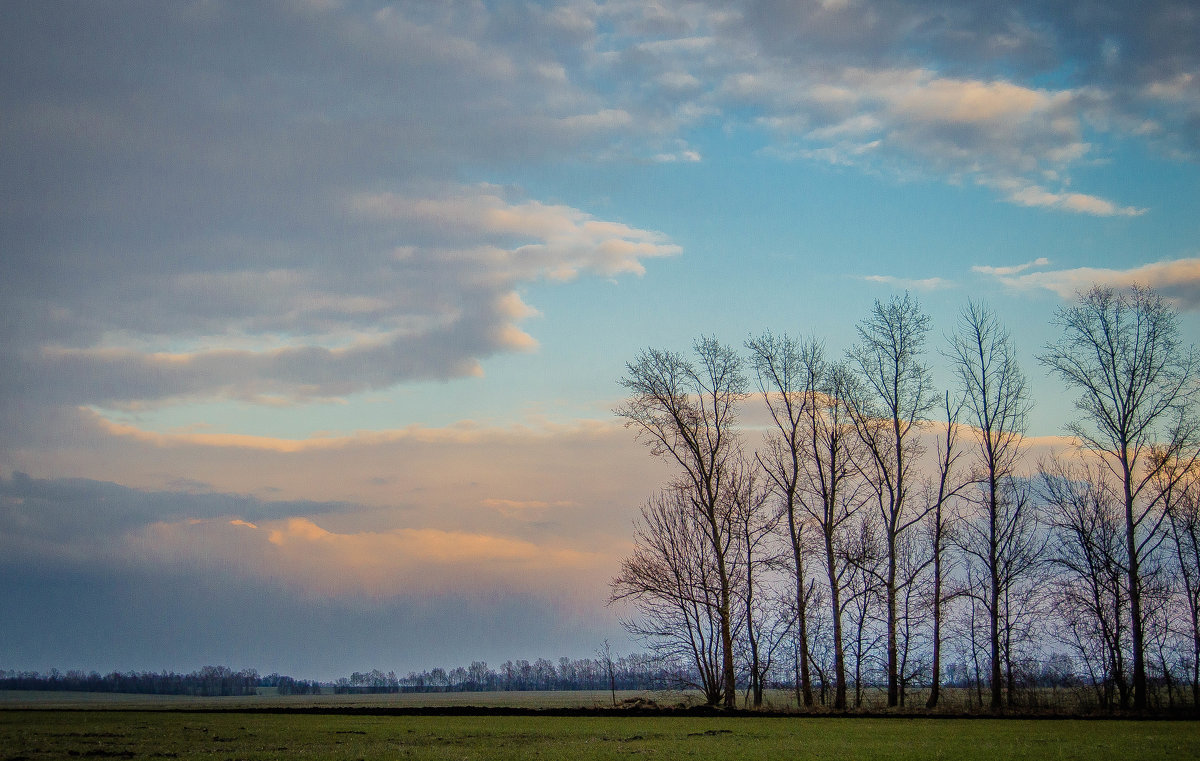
1184 514
864 560
995 393
754 526
671 580
605 656
1086 515
830 490
888 418
687 413
939 492
782 368
1122 351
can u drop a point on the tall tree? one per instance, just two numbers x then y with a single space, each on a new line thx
939 492
899 395
686 412
996 395
1121 350
830 491
782 367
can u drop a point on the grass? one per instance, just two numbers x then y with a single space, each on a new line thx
954 700
179 734
532 699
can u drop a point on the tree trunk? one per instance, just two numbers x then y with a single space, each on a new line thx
893 654
835 601
994 607
728 676
804 695
936 667
1137 627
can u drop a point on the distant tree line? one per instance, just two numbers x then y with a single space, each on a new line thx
629 672
887 533
286 685
210 681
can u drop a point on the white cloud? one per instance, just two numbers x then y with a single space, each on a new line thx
915 284
1014 269
1178 279
1028 194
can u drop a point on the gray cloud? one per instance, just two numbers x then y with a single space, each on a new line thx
275 201
281 201
79 616
52 513
886 85
177 180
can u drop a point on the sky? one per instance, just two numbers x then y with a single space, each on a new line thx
313 314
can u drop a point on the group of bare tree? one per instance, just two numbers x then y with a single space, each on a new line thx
880 528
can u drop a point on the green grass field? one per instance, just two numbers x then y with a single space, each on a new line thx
180 734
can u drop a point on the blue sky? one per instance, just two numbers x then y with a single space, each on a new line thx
319 308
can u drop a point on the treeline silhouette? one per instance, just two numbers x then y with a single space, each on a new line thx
210 681
629 672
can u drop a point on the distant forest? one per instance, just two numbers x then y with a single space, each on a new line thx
630 672
209 681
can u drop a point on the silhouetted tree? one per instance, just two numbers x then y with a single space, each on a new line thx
888 417
687 413
671 581
782 366
1092 598
1121 350
995 393
831 490
939 491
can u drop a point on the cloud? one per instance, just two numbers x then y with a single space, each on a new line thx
913 88
1178 279
34 511
397 561
526 509
434 296
525 504
317 549
546 485
905 120
317 237
922 284
199 226
1028 194
542 240
170 618
1015 269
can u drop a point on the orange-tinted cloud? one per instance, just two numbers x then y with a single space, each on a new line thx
1177 279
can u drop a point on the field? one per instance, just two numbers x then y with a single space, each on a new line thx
550 699
82 726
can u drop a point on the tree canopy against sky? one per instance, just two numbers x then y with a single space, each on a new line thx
324 304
